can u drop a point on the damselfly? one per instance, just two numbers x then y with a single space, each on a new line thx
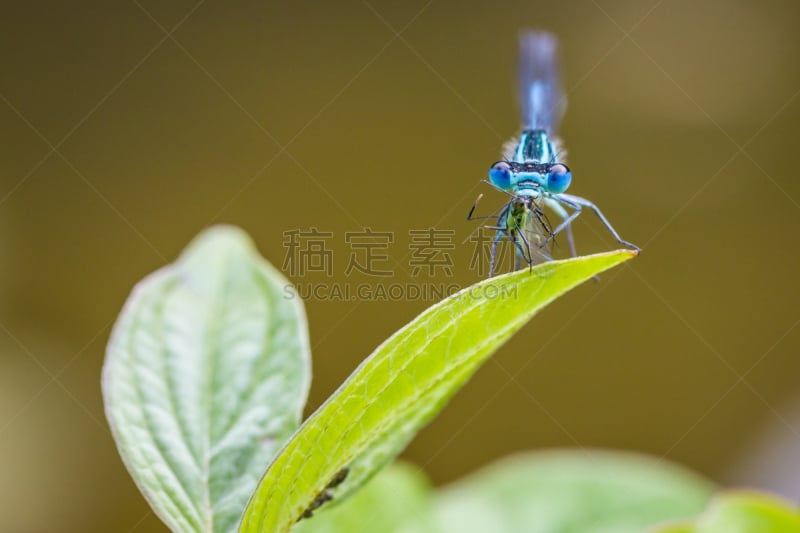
532 171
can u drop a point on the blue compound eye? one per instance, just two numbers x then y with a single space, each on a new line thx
500 175
559 178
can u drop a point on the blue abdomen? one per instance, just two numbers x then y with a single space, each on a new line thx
542 100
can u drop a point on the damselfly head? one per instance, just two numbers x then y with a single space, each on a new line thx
530 178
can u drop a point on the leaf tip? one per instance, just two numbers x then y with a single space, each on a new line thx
220 235
623 254
215 242
628 253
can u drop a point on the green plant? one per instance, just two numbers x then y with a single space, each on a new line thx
208 370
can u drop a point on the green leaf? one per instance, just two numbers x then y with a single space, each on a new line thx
589 491
403 384
206 375
743 512
399 499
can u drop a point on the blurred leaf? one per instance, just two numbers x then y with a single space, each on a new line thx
743 512
206 376
569 491
398 499
403 384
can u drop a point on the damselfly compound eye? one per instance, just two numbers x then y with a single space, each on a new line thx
558 178
500 175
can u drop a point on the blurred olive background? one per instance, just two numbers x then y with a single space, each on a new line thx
128 127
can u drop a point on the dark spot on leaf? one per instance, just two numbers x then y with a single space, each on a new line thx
326 494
